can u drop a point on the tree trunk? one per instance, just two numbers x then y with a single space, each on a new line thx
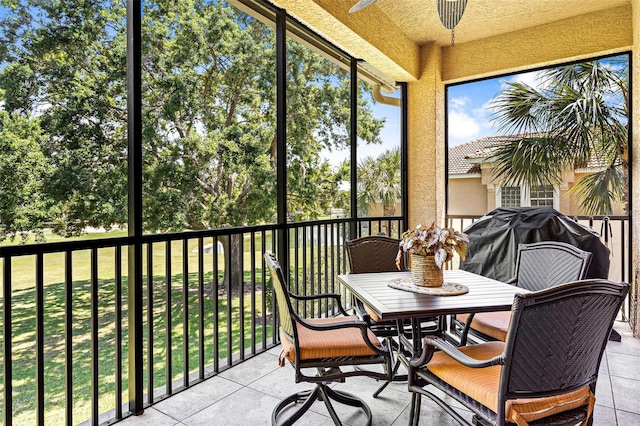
233 254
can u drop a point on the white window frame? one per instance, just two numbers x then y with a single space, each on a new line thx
555 197
499 195
525 196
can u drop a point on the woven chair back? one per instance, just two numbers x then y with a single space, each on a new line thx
557 337
373 254
285 308
547 264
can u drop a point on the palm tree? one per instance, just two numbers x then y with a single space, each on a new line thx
380 181
579 114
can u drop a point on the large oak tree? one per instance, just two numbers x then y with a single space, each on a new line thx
209 113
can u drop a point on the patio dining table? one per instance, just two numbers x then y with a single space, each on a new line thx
484 295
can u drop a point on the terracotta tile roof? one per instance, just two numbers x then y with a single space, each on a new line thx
461 156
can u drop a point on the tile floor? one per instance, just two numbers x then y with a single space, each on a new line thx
246 394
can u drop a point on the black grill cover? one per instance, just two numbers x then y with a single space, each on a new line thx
494 239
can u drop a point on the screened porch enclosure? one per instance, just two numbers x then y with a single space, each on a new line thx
211 144
206 152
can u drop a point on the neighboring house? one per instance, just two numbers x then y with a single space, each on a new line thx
473 188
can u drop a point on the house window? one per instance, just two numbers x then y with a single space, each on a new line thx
542 195
510 196
525 196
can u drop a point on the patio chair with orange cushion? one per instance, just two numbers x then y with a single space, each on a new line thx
538 266
323 345
378 253
373 253
544 373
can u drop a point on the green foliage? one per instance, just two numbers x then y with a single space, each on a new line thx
25 172
209 113
579 114
380 181
67 69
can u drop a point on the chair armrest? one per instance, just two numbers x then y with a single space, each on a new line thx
348 322
432 343
337 297
465 329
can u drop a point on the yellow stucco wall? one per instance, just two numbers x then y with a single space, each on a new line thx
584 36
390 51
473 196
426 153
467 196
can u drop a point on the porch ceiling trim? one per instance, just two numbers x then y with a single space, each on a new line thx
372 36
390 51
593 34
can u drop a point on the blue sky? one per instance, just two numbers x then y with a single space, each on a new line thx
469 104
469 109
390 133
469 112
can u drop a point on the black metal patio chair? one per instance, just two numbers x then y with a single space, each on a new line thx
544 373
323 345
538 266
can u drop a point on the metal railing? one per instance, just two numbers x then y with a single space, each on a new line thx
614 232
207 306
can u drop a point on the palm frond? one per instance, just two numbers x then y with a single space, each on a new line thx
530 160
578 114
379 180
598 191
517 109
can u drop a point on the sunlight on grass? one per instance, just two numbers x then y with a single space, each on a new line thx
238 314
23 323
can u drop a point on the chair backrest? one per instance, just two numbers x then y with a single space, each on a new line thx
285 309
549 263
557 336
373 254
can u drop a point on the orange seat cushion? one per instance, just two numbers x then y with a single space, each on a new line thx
315 344
482 384
493 324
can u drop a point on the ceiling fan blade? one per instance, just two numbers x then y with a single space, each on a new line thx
450 12
361 5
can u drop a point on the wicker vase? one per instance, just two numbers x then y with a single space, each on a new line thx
425 272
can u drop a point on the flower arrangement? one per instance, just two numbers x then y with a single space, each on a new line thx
442 243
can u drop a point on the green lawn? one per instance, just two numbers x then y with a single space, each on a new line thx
23 320
23 268
24 342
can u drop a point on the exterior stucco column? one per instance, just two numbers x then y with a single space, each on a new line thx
426 152
635 164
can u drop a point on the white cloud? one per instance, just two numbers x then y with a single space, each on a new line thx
459 102
462 127
466 123
483 115
533 79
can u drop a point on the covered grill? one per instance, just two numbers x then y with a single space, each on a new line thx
494 239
